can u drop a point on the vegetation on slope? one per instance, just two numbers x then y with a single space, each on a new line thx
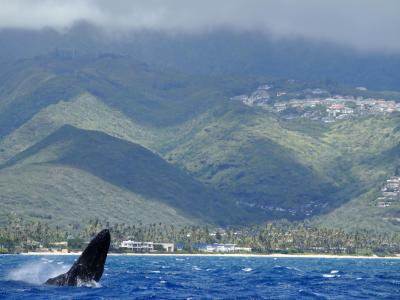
122 164
285 169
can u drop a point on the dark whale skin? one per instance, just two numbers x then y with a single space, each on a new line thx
89 266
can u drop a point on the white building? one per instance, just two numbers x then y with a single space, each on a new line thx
135 246
138 246
167 247
220 248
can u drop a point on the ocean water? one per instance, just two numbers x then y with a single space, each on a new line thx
171 277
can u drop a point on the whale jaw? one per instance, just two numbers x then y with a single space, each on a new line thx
90 265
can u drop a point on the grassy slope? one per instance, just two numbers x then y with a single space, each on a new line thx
239 150
291 164
64 195
150 96
369 156
84 111
130 167
247 153
250 154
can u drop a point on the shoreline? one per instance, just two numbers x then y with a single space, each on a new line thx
312 256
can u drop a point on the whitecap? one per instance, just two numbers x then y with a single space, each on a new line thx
163 281
59 263
330 275
334 271
155 271
87 283
247 269
36 272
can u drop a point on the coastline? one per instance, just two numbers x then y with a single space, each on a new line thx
312 256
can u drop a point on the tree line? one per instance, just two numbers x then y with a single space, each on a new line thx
274 237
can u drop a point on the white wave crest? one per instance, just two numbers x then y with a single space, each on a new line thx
330 275
36 272
87 283
247 269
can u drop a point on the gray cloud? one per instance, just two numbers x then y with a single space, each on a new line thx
363 24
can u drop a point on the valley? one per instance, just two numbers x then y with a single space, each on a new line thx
203 157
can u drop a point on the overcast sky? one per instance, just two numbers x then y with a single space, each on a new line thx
364 24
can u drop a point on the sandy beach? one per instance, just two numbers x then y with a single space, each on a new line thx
225 255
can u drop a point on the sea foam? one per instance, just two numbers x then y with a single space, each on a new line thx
36 272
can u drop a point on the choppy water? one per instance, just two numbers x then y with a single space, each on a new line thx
207 278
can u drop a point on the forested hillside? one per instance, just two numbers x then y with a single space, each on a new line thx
117 138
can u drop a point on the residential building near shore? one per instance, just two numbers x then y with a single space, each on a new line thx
220 248
143 247
150 247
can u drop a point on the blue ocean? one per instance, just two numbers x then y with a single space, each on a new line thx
188 277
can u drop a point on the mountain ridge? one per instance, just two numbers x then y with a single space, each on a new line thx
245 164
125 165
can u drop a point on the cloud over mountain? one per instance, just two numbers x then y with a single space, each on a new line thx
363 24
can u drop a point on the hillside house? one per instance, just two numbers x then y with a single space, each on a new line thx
393 184
390 192
265 87
280 106
383 204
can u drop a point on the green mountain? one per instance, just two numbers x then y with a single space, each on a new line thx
299 168
148 144
152 97
120 170
249 155
84 111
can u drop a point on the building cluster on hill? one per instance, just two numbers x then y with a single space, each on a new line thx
390 192
317 104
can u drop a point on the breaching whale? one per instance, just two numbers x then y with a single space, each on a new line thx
90 265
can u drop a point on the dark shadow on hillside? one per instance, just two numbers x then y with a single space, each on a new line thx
136 169
278 183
